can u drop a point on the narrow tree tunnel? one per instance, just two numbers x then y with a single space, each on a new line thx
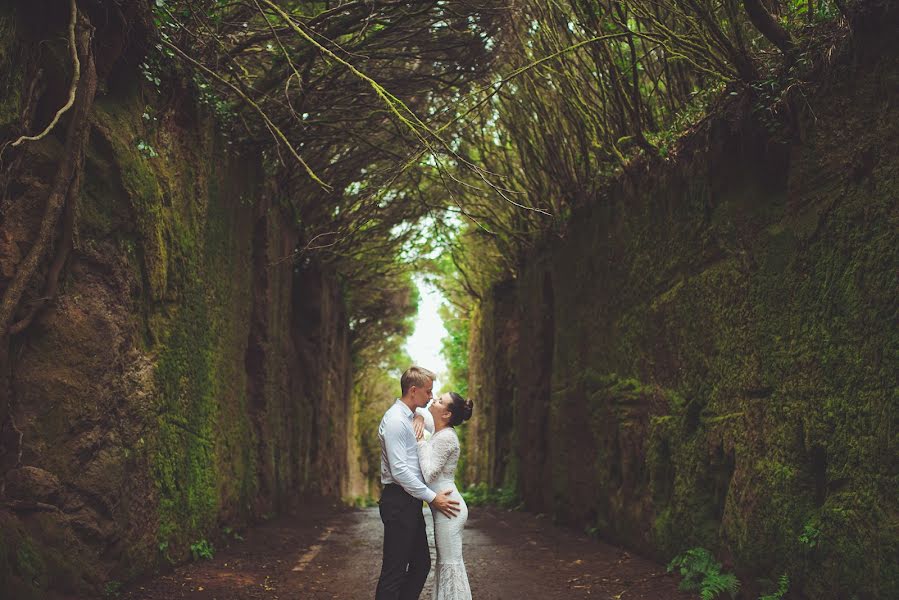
664 236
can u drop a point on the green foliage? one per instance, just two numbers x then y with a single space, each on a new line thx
381 313
146 149
112 589
364 501
183 464
810 534
362 229
480 494
202 549
151 74
163 548
455 349
693 110
797 13
702 573
783 584
209 97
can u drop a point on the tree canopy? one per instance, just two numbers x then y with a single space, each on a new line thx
392 128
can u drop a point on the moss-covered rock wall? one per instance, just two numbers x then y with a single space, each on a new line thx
189 376
710 355
491 352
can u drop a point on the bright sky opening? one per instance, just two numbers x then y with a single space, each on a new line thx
426 340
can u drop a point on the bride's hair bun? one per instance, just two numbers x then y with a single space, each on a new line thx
460 408
467 409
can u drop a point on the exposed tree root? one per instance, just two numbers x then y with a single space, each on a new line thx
72 160
63 248
63 193
76 76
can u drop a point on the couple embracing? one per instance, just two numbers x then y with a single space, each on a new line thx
413 470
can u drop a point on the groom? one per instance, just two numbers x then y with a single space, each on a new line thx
407 559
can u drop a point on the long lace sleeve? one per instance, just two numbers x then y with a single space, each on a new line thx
434 454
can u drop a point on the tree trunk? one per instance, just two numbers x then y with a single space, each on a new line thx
769 27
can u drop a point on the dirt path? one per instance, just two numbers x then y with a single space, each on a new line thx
328 552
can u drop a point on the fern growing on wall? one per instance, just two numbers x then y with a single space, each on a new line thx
782 585
702 573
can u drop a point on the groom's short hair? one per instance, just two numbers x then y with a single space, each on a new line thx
417 376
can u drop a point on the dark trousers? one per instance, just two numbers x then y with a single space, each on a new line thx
407 559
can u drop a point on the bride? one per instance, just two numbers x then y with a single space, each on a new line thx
438 457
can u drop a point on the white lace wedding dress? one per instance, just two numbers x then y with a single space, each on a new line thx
438 457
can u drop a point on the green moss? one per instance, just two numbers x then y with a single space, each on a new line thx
30 565
177 220
184 466
734 321
38 559
204 458
183 229
140 178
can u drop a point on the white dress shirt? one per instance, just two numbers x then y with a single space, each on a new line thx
399 452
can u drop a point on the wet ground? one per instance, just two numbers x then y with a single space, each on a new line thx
331 552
